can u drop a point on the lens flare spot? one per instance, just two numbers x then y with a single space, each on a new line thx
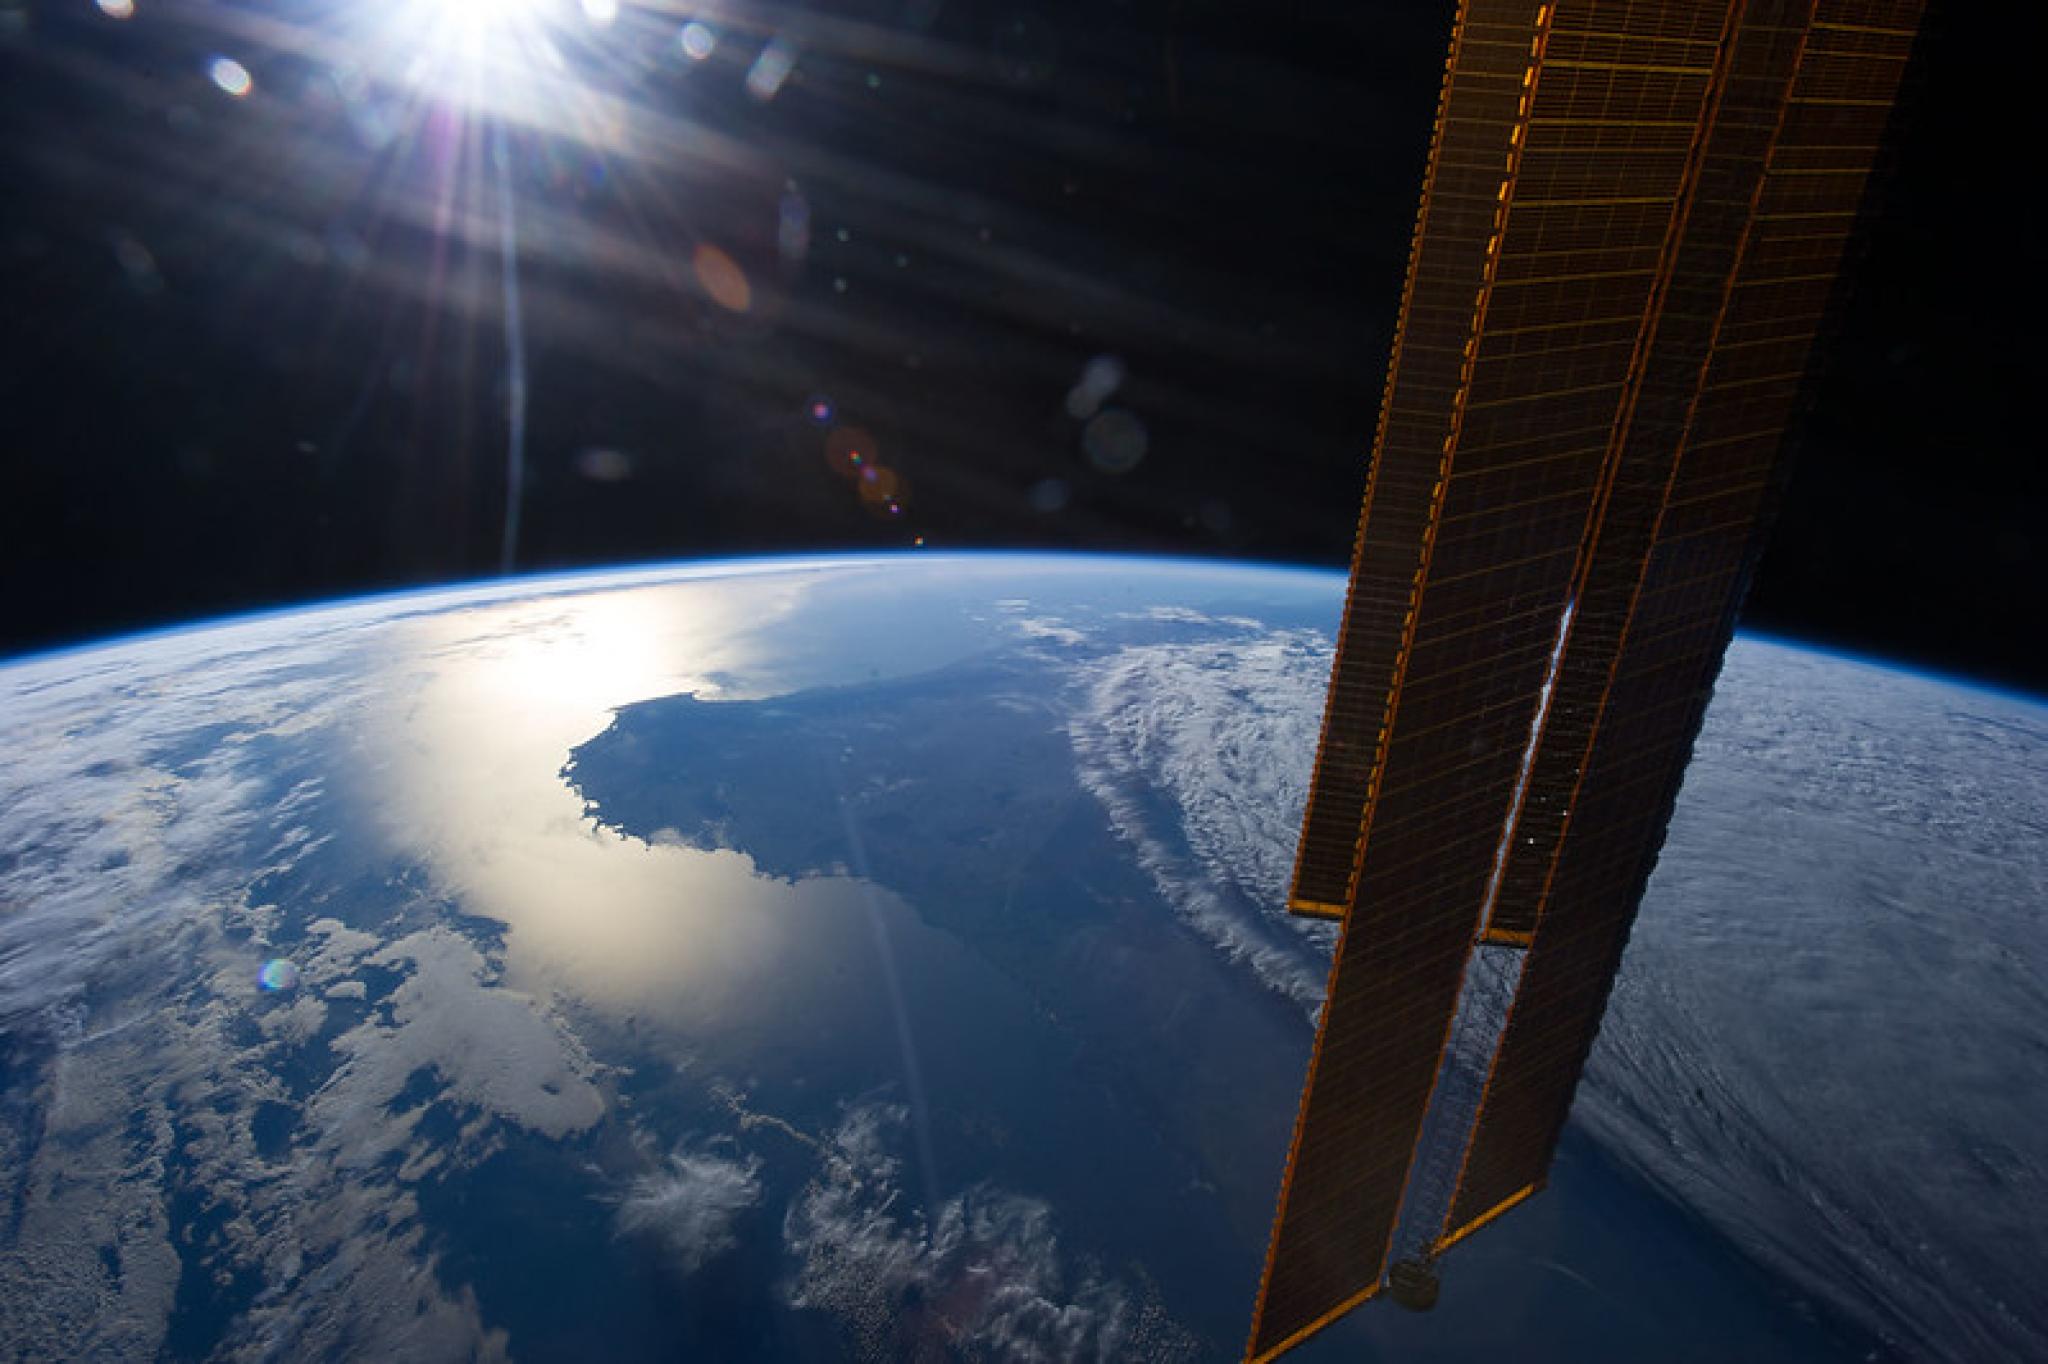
883 491
793 227
721 277
230 76
820 410
137 264
601 464
1100 378
766 76
698 40
117 9
277 974
1115 441
1049 495
849 450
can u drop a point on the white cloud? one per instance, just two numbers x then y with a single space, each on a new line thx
1049 629
151 786
1200 754
1888 836
140 778
492 1047
983 1275
689 1207
120 826
1818 1038
104 848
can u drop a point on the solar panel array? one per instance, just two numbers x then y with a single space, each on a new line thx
1678 541
1448 269
1371 1072
1628 235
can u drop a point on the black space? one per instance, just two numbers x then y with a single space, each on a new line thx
254 351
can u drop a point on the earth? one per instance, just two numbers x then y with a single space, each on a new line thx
881 959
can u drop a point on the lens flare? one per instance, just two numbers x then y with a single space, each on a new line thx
848 450
722 278
698 41
1115 440
232 78
771 69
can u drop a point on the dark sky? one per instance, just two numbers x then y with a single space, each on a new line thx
256 350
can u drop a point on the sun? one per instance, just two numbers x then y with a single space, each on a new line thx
503 57
479 21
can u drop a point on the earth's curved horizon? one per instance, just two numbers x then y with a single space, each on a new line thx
549 581
866 956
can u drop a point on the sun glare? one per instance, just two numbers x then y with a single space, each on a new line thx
473 28
481 17
497 55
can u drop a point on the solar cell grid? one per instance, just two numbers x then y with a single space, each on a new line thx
1328 1248
1611 785
1615 189
1478 104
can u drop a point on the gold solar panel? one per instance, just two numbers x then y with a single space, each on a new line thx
1630 227
1447 268
1677 545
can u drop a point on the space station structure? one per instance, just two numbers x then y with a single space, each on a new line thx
1633 223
